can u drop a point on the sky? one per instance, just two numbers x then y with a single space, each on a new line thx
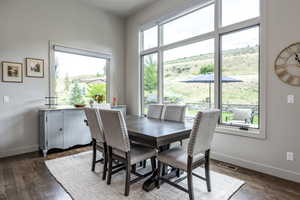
201 22
75 65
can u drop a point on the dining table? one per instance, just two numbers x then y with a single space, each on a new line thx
158 134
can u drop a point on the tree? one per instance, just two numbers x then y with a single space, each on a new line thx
150 75
207 69
96 89
76 94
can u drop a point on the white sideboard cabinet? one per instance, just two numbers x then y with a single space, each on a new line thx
62 128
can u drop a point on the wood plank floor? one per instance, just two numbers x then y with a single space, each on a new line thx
26 177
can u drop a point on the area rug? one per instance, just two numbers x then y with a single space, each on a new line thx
75 175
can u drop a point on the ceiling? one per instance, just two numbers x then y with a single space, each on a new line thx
120 7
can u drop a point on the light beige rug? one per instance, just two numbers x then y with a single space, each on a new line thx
75 175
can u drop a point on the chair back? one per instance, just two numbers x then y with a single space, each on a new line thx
202 133
174 113
105 106
115 130
155 111
94 123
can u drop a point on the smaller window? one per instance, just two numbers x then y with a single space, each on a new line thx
78 78
234 11
191 25
150 38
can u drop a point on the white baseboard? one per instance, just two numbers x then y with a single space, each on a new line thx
266 169
19 150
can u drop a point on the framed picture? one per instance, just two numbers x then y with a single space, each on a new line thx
12 72
34 68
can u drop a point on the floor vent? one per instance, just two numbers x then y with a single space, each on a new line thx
227 166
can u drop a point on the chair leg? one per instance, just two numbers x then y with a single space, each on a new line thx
178 173
207 172
128 169
105 162
94 155
163 169
158 174
134 168
190 177
190 184
109 165
153 163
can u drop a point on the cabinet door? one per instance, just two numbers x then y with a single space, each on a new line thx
76 132
54 123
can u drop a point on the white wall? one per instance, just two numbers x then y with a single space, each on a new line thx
282 126
26 28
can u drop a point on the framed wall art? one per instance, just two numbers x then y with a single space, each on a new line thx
12 72
34 68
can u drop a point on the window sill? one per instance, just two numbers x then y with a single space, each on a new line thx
252 133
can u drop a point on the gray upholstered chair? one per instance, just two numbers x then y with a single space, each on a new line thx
155 111
98 140
174 113
197 152
119 147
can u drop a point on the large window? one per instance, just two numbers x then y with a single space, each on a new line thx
196 23
206 58
234 11
240 84
79 78
181 66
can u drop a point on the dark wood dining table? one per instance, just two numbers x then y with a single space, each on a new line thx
156 133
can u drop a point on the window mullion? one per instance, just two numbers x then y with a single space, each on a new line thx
217 63
160 65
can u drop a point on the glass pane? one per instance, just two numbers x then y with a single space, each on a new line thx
150 38
240 72
150 80
193 24
189 76
78 79
234 11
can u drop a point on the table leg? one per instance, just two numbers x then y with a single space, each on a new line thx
150 183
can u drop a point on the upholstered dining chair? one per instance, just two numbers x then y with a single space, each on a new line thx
172 112
197 152
120 149
98 140
176 113
155 111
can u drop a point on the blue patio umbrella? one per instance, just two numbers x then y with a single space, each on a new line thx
210 78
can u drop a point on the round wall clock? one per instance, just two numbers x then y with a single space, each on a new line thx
287 65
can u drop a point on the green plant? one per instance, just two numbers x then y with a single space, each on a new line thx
150 75
206 69
77 94
96 89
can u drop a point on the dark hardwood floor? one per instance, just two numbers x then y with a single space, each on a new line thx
26 177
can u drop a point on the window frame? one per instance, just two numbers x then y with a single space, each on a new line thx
219 30
57 47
